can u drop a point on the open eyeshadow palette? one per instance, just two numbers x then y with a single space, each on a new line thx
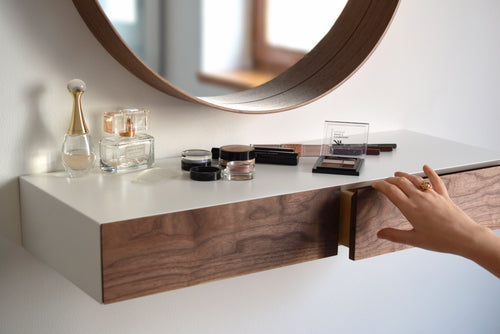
343 149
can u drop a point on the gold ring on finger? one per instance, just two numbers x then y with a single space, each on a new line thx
425 185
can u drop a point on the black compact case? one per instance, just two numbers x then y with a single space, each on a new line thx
278 156
338 165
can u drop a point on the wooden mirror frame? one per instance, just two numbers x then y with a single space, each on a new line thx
347 45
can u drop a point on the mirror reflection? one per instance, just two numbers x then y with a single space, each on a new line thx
216 47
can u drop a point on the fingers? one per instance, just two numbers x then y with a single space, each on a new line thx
393 192
409 184
414 179
399 236
404 191
436 181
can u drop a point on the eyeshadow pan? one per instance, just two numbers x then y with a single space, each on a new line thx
330 164
333 161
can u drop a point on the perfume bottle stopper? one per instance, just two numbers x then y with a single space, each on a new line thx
76 85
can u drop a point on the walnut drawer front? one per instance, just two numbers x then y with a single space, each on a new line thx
154 254
365 211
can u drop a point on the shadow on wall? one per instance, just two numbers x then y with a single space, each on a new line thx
10 209
39 153
43 150
36 149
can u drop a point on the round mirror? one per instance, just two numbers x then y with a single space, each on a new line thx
282 81
225 45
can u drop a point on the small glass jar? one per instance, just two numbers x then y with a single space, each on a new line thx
238 162
195 158
239 170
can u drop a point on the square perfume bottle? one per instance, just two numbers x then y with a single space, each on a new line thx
128 148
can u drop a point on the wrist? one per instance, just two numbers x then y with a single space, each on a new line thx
485 245
478 241
484 249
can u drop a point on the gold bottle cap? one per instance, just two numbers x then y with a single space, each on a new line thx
129 128
77 125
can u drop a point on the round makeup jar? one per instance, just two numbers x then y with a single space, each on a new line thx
195 158
238 162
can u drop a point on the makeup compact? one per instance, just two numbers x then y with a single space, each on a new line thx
344 148
195 158
338 165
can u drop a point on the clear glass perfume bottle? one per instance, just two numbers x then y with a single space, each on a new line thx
126 149
77 153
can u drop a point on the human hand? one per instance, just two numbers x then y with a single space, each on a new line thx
438 223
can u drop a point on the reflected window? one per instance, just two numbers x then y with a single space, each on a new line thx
139 23
285 30
127 18
120 11
301 26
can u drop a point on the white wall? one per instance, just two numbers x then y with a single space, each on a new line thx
437 71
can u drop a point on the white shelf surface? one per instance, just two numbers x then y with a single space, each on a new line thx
166 188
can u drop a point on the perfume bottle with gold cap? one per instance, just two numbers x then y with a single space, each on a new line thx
128 148
77 153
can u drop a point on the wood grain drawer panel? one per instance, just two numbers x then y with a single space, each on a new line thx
170 251
477 192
